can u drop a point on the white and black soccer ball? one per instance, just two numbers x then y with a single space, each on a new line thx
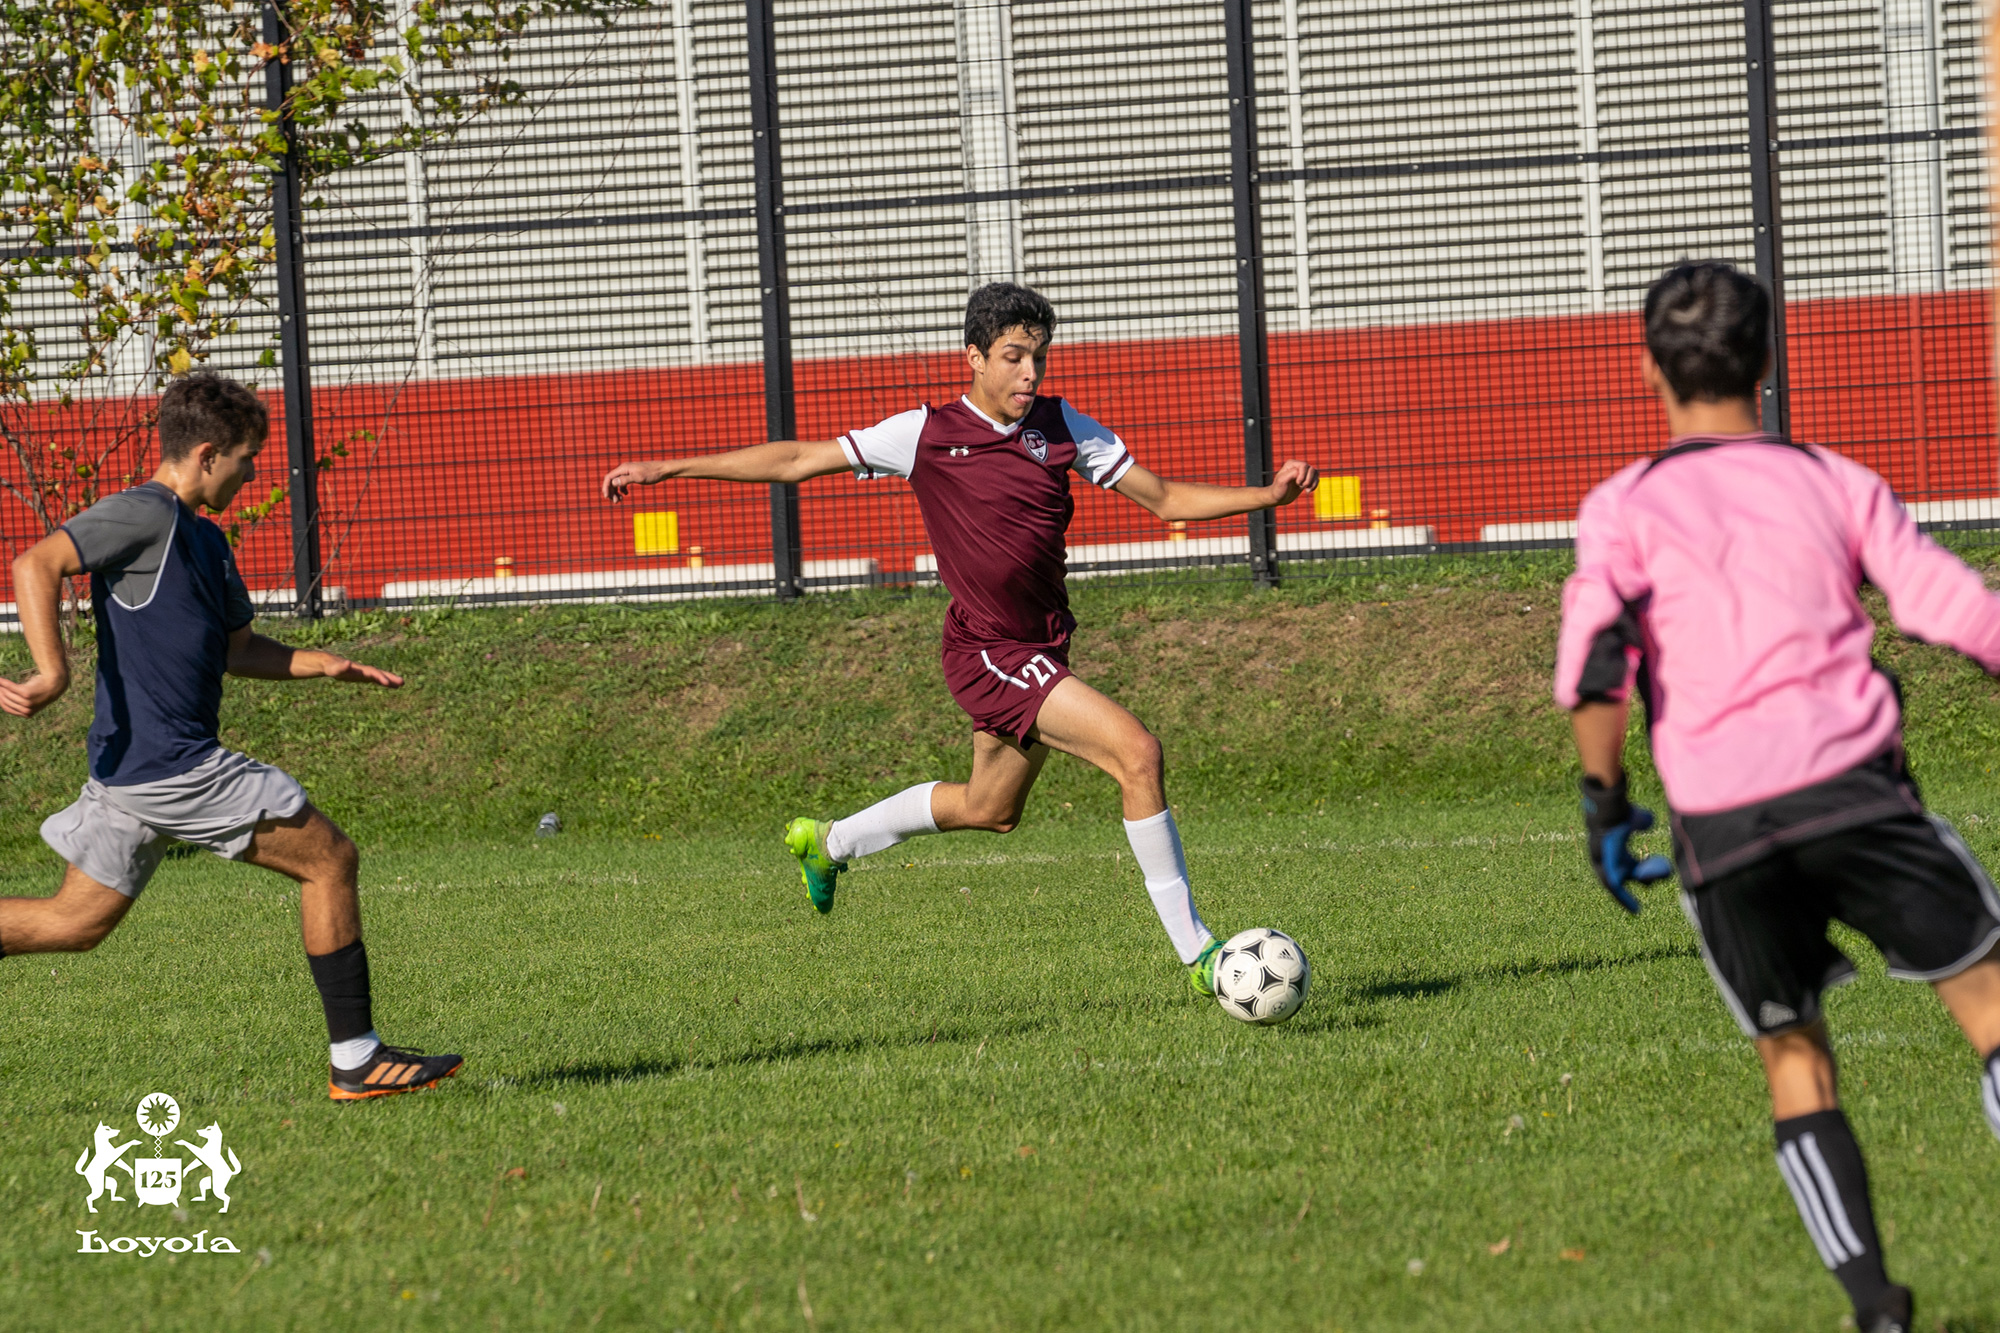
1261 976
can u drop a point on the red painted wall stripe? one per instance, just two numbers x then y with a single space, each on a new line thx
1451 425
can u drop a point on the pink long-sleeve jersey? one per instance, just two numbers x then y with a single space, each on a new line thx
1727 570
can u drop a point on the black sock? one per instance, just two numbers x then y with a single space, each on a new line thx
342 978
1822 1164
1989 1092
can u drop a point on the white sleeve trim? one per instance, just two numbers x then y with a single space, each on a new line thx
853 457
888 448
1101 457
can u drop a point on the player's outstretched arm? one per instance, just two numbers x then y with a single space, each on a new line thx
38 575
1192 501
780 460
258 658
1933 594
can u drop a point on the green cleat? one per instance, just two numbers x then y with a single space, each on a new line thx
1201 972
806 839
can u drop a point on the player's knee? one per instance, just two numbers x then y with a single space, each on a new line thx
343 858
1141 760
85 935
994 820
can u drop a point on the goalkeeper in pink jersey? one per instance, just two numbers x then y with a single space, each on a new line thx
1719 578
991 473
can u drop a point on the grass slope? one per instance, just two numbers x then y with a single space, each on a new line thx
708 717
982 1077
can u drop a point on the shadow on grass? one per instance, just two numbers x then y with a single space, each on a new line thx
1336 1018
772 1053
1419 988
1422 989
1351 1004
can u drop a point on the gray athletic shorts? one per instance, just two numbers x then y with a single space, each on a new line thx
118 835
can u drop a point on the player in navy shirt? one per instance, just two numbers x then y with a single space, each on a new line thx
992 476
172 618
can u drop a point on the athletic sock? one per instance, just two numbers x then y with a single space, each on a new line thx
1822 1165
883 824
342 978
354 1054
1989 1092
1156 846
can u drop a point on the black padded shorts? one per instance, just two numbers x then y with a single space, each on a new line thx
1908 883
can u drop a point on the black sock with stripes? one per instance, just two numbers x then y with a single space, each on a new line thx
1989 1092
342 978
1822 1165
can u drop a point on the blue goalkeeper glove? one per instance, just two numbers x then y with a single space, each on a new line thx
1609 821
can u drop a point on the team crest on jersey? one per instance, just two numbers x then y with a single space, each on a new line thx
1036 444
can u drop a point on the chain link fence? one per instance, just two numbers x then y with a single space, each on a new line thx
1404 242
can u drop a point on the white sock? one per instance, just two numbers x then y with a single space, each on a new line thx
883 824
354 1052
1156 846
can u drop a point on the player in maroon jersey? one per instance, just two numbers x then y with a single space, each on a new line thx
991 473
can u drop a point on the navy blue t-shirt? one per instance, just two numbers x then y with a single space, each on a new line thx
166 595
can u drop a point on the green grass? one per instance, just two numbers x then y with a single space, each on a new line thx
983 1075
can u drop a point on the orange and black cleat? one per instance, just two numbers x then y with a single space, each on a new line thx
390 1071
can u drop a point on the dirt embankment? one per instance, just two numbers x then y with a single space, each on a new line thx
660 719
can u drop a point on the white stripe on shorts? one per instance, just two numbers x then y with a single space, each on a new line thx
1988 896
1736 1009
1015 681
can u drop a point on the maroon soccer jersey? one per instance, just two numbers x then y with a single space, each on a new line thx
996 506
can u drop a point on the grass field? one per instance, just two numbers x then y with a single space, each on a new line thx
979 1095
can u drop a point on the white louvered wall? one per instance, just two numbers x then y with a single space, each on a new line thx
914 99
868 102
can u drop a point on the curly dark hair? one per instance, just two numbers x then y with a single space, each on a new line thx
1000 306
1709 326
209 408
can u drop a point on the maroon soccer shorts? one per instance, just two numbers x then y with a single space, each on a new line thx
1001 685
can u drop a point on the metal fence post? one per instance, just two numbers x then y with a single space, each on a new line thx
1252 344
1760 50
302 481
786 551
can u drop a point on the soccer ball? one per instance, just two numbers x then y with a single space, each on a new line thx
1261 976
